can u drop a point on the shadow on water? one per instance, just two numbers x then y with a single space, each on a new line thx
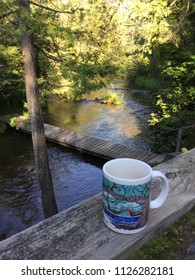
75 177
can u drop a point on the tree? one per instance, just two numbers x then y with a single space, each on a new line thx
11 68
175 97
37 128
149 42
79 47
74 53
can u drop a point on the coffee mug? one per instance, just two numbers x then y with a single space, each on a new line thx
126 193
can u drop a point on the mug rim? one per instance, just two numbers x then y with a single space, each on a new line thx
129 181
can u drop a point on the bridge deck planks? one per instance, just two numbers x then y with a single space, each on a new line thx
89 144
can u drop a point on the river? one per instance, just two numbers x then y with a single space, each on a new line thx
75 176
126 124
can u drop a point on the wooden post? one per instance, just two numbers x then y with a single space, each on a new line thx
179 135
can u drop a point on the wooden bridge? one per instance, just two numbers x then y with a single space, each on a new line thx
88 144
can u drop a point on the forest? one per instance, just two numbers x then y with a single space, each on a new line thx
79 46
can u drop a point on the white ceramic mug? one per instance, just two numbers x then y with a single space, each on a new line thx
126 194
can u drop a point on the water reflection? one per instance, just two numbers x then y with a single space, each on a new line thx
72 115
75 178
125 124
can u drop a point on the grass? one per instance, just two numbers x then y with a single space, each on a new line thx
172 243
111 98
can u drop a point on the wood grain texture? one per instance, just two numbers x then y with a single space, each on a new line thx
79 232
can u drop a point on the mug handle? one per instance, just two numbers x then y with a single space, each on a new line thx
164 191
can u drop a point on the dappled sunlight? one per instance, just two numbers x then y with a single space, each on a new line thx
128 128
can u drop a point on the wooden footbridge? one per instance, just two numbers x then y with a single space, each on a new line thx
88 144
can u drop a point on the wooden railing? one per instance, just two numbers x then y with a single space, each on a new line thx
79 233
179 136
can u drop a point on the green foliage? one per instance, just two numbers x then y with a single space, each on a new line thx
171 243
26 117
3 128
11 74
13 121
147 82
176 102
72 51
111 98
26 114
150 42
76 43
160 247
170 76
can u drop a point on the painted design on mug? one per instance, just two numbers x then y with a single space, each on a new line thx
125 206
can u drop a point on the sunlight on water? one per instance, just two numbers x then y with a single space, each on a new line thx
125 124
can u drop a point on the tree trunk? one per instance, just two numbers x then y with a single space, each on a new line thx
37 127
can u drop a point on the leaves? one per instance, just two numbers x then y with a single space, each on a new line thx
79 45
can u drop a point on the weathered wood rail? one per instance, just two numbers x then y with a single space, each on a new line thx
79 233
88 144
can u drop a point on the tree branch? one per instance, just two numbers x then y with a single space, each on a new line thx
54 10
6 14
47 54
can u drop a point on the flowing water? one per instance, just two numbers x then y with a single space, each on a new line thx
75 176
125 124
